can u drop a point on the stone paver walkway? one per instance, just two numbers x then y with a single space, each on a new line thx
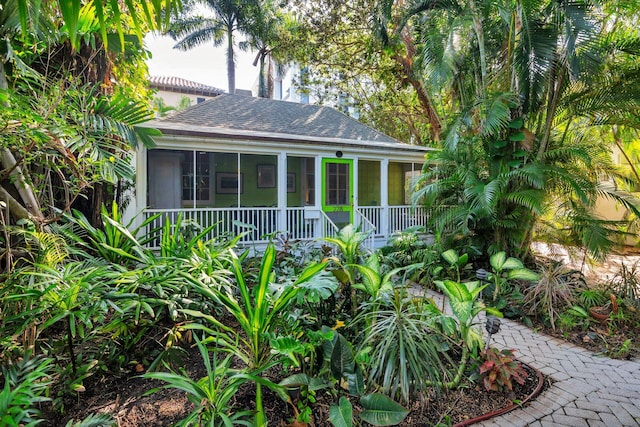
589 390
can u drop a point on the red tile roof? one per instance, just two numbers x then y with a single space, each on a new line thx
179 85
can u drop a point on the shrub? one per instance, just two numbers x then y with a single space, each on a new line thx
499 369
554 292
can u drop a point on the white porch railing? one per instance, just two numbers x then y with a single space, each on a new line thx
328 227
372 216
301 223
367 226
258 223
403 217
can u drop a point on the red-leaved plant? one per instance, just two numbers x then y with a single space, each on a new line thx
499 370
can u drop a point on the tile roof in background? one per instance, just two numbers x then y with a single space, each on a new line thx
179 85
244 113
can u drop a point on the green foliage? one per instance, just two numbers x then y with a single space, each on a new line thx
341 415
349 244
210 395
93 420
406 353
504 271
258 313
115 241
555 290
499 370
626 284
377 410
25 386
466 305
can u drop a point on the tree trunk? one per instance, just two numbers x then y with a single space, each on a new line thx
231 62
423 97
31 208
17 210
21 185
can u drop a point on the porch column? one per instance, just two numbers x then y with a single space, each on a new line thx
282 191
384 197
317 183
356 184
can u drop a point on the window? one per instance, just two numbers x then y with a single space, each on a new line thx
198 176
337 184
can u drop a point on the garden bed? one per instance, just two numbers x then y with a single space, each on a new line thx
124 398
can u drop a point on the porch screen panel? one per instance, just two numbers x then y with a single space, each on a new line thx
259 199
402 177
300 181
164 178
369 183
197 179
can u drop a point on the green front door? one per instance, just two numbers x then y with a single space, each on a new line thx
337 190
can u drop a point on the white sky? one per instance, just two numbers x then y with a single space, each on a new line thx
205 64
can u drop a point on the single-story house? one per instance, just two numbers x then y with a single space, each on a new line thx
277 166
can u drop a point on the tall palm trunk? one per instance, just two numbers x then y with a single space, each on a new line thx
231 61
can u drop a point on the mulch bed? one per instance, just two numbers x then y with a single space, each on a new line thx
123 398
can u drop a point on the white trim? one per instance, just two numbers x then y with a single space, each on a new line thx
287 138
408 154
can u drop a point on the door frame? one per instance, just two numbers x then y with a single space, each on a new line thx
350 196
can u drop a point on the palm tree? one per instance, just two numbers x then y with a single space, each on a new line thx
526 88
191 29
268 30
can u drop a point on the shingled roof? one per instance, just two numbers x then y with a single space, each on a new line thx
260 116
179 85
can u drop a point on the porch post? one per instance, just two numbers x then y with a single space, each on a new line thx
384 197
282 191
317 183
355 202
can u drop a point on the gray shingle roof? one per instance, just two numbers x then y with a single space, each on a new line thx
243 113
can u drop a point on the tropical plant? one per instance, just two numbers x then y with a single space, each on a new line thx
258 312
555 290
377 410
26 383
115 241
267 28
626 283
520 146
504 270
500 369
406 353
191 29
210 395
349 244
456 263
466 305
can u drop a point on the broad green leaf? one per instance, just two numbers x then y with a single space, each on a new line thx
355 382
523 274
497 260
451 256
380 410
342 359
518 136
516 123
341 415
512 263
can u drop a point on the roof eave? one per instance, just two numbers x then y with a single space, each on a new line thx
211 132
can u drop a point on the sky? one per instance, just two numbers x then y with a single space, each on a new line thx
205 64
